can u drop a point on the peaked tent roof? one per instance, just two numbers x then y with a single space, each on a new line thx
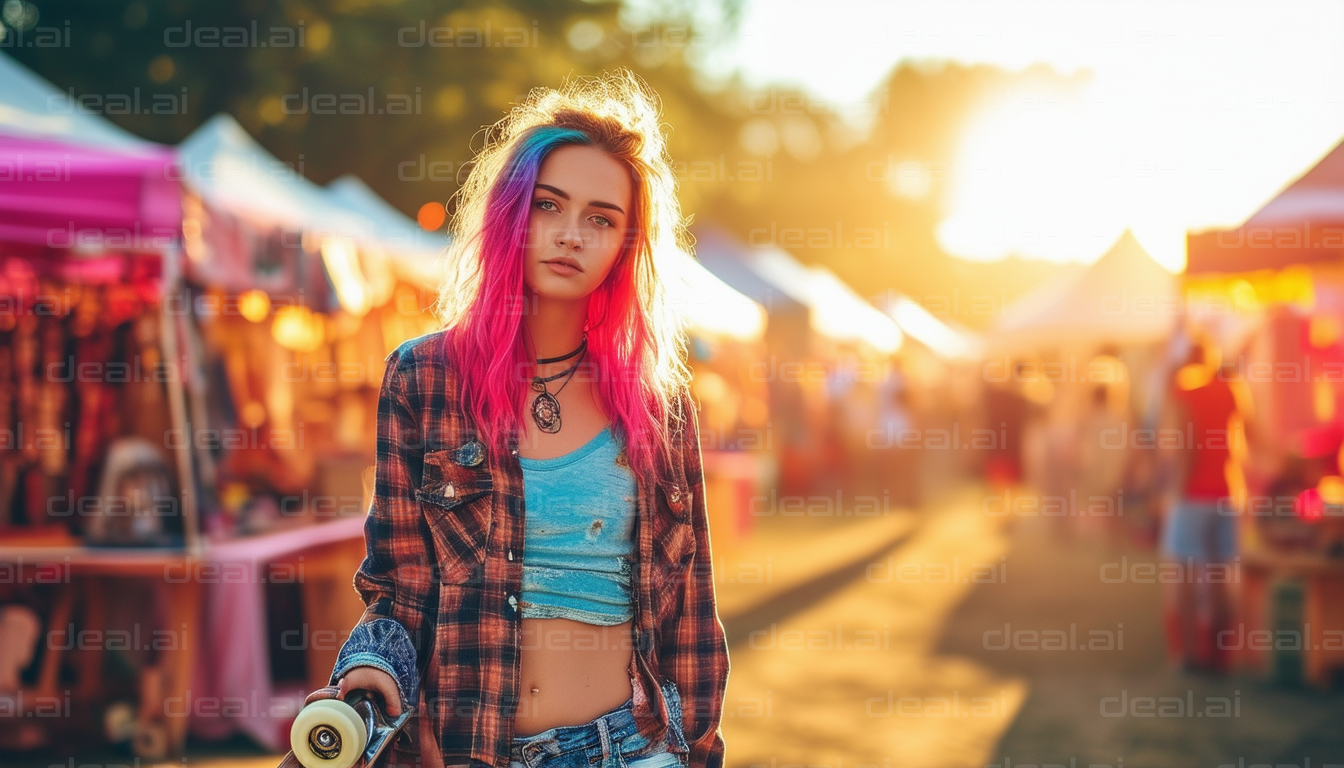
774 278
1317 195
414 249
77 181
840 312
32 107
229 169
704 302
1289 229
1122 297
730 261
944 339
391 227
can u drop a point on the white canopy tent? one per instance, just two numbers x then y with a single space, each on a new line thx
730 261
1123 297
418 253
231 171
942 339
705 303
391 227
34 108
837 311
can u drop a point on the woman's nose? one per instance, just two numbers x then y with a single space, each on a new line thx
569 237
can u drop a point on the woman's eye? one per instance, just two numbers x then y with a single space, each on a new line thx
602 221
543 203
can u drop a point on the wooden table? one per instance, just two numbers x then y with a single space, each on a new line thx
1322 641
332 550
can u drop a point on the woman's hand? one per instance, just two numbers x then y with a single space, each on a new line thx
373 679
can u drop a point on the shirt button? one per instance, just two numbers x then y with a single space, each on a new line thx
510 554
513 601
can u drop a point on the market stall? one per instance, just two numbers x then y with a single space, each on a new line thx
1070 362
725 330
298 294
939 378
785 334
827 354
193 344
1269 292
91 384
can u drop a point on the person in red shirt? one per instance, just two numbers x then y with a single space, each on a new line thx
1200 529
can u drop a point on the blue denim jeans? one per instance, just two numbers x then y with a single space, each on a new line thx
609 740
1203 530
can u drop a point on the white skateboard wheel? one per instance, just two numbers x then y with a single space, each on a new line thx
328 734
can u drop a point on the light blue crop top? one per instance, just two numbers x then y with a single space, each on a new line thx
578 549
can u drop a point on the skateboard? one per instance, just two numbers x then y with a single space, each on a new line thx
334 733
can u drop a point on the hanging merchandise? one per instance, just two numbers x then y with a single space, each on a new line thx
137 505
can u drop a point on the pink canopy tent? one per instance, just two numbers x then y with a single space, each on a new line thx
73 183
59 195
1302 224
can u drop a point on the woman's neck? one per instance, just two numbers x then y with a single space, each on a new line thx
555 328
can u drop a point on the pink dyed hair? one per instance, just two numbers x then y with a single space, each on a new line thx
636 344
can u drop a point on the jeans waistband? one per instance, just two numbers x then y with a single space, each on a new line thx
602 731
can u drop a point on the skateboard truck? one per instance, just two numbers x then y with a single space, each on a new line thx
334 733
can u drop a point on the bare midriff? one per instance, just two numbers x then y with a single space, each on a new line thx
571 673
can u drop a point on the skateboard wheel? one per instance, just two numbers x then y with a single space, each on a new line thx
328 734
150 742
119 721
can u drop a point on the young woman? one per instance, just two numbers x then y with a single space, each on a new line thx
537 573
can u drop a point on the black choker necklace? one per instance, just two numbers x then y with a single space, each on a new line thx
545 408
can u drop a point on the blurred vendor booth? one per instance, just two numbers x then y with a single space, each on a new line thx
1081 357
726 332
92 399
826 370
1271 293
297 294
193 343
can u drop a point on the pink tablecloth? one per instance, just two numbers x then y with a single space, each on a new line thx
231 689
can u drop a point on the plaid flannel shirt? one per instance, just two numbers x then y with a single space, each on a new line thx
444 563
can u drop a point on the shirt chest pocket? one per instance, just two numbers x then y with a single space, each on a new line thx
456 496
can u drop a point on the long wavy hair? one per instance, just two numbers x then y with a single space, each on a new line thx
635 343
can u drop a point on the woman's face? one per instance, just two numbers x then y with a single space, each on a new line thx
580 212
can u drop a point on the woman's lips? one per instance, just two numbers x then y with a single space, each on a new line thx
560 268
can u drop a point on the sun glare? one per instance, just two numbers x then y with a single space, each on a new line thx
1196 113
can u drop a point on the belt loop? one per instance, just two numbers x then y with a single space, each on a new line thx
604 733
530 752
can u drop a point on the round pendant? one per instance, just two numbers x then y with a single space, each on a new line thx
546 413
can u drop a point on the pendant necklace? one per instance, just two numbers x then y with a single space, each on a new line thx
546 409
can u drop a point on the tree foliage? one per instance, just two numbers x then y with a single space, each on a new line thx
398 92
